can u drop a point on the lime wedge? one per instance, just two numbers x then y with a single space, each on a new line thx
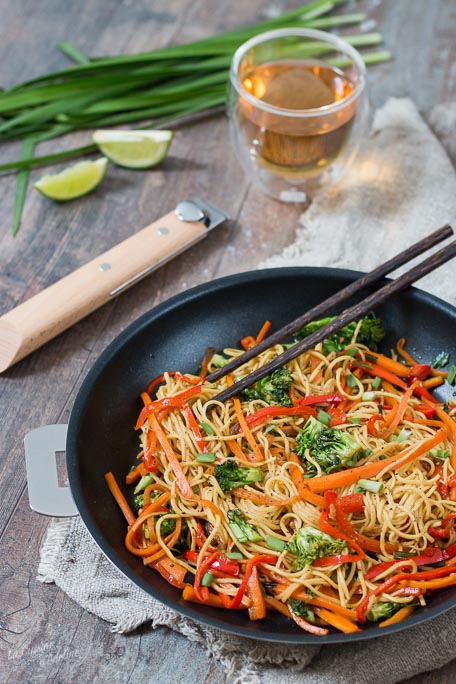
75 181
134 149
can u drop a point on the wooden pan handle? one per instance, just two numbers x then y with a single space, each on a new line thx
39 319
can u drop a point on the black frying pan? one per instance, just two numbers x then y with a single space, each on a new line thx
175 335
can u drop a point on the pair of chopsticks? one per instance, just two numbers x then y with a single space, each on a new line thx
347 316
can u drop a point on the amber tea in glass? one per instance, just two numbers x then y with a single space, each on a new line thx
293 115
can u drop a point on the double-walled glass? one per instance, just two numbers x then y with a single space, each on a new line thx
298 110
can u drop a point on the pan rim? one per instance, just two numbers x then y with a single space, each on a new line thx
115 346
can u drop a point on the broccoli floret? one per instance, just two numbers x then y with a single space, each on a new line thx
241 528
273 389
382 610
301 609
370 333
329 447
144 482
168 526
138 501
229 475
308 544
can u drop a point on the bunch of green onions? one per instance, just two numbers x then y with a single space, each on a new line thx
157 87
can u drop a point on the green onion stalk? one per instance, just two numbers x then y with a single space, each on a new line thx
153 89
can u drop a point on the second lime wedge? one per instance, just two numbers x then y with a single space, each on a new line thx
134 149
74 181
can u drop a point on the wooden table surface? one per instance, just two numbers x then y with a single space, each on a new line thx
44 636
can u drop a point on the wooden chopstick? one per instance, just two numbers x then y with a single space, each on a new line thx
336 299
347 316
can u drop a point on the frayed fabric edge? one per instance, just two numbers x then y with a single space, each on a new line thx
56 534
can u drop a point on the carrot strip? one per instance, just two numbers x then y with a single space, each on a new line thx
395 416
401 614
303 490
413 362
237 451
308 626
274 604
432 382
257 610
451 425
338 621
318 601
263 499
182 482
135 474
432 584
352 475
248 342
263 332
171 571
213 600
391 365
146 398
119 497
215 509
210 351
243 424
155 487
170 540
130 538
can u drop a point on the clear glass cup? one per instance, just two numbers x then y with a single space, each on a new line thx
298 110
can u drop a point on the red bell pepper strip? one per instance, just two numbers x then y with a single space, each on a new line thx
166 402
248 571
371 429
193 427
419 371
337 559
442 532
221 562
149 461
202 593
422 393
347 528
375 369
338 417
363 607
351 503
428 557
200 537
428 411
321 399
274 411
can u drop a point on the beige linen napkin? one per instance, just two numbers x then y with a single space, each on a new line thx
402 187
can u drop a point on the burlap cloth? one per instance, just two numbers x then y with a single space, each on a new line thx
402 187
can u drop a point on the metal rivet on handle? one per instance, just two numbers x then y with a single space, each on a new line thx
163 231
104 266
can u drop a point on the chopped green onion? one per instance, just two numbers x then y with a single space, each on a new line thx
351 380
219 361
146 531
354 420
451 374
369 396
206 458
439 453
144 482
207 579
238 532
207 428
367 452
369 486
234 555
440 360
401 437
400 555
324 417
270 428
351 352
275 543
376 382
